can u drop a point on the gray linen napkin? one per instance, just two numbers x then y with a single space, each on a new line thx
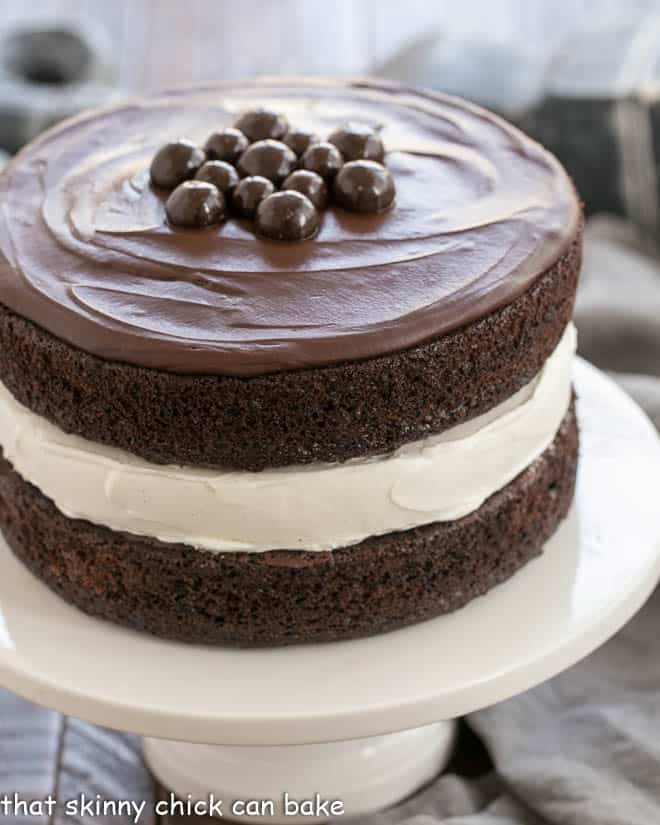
584 748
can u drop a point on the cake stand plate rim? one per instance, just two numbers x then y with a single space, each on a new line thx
496 647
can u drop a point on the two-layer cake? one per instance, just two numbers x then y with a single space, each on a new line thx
224 438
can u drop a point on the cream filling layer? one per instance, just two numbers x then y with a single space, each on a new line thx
311 507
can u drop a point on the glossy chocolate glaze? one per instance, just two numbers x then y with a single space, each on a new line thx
86 251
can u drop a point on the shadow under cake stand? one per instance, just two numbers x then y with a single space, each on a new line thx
358 721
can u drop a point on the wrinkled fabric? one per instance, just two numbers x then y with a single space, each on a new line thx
583 748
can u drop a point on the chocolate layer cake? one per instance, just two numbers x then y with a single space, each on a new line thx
303 376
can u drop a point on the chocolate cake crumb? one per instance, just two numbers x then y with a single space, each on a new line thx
331 413
285 597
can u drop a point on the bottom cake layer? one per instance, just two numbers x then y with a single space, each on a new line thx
284 597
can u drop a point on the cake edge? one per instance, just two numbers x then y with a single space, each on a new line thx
285 597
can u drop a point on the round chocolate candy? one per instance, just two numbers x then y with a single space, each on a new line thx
227 145
287 216
357 141
323 158
299 140
363 186
176 162
260 124
195 204
270 159
249 193
310 184
220 174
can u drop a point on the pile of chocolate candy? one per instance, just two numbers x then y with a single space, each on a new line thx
279 177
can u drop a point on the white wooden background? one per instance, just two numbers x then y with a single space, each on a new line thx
164 42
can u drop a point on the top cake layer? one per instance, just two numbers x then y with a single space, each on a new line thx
481 212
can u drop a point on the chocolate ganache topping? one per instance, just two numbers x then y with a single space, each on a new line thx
87 253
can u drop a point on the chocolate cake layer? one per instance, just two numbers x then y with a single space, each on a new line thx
323 414
284 597
87 253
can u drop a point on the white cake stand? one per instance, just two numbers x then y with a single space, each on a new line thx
257 716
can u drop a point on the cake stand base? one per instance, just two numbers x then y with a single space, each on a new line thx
280 784
326 719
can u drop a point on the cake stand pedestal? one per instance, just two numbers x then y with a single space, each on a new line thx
357 721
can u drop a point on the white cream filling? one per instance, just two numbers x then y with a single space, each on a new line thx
313 507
